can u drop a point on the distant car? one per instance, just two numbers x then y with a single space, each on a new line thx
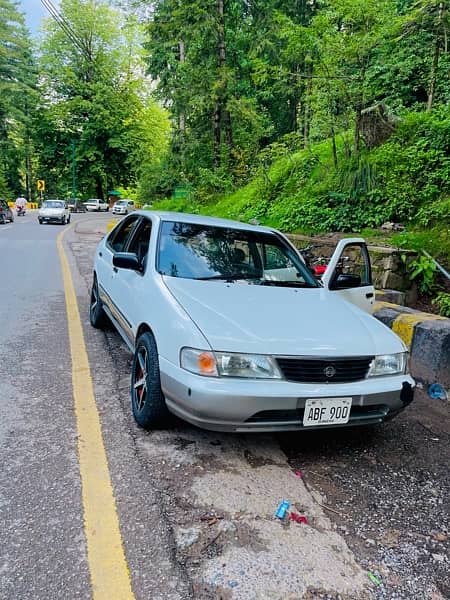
232 332
54 211
123 207
6 214
96 204
76 206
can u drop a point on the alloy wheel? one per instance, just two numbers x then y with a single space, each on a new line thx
140 378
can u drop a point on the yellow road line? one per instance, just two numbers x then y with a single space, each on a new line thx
107 563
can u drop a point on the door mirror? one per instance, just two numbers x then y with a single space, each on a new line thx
126 260
345 281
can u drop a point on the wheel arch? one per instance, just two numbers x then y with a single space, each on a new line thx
143 328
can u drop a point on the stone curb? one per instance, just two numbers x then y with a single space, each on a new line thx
427 337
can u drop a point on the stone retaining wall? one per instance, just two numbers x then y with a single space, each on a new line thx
388 269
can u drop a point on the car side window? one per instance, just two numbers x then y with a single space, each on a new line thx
140 241
118 239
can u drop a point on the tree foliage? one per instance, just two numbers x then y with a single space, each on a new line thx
97 118
17 98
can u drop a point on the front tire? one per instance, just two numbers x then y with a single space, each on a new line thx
97 315
147 400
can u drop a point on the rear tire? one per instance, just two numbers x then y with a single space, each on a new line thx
97 315
147 400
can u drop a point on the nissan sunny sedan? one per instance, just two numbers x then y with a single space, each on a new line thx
231 332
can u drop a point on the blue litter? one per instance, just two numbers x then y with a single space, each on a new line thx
282 509
437 392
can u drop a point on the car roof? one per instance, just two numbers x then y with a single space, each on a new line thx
202 220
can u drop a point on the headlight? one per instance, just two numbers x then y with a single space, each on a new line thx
388 364
229 364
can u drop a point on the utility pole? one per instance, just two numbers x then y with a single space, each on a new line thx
74 173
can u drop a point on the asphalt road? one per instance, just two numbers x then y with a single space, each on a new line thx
196 508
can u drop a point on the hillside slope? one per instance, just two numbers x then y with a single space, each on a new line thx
405 180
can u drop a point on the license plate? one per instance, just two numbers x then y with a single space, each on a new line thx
326 411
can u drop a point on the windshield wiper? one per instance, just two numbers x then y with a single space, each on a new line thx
302 284
228 277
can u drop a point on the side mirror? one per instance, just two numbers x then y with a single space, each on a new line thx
346 280
127 260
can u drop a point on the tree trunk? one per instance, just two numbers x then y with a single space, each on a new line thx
356 139
435 62
221 116
306 103
216 135
98 187
28 169
182 116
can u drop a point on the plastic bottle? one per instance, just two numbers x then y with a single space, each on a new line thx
282 509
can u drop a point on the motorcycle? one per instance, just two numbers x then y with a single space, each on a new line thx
20 211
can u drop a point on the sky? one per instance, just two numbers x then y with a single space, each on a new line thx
34 11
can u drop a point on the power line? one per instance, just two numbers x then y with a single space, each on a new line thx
68 29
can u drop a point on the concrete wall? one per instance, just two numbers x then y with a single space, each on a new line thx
427 337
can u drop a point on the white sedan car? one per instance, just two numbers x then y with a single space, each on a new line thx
96 204
123 207
231 331
54 211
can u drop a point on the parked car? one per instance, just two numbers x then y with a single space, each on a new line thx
123 207
96 204
54 211
76 206
232 332
6 214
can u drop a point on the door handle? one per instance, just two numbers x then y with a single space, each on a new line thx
369 295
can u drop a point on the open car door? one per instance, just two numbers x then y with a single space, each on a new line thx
349 273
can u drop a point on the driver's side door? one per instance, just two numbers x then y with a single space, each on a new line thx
349 273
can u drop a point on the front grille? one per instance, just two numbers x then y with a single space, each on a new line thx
325 370
374 412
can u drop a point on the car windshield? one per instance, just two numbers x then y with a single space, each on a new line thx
204 252
121 203
53 204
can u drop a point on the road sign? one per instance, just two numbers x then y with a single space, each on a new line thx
40 184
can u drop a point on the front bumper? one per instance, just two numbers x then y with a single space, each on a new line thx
51 218
226 404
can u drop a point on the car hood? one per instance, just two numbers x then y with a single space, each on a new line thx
48 212
237 317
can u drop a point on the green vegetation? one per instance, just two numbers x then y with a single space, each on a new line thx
442 301
405 180
309 116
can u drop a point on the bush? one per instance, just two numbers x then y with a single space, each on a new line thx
442 301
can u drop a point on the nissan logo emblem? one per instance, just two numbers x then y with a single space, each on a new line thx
329 371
